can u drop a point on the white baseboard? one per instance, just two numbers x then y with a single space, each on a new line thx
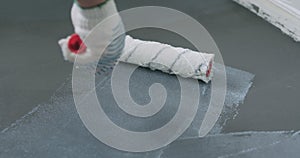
284 14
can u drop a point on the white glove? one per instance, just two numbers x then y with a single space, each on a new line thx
102 38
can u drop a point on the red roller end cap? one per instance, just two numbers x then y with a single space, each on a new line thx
209 69
76 45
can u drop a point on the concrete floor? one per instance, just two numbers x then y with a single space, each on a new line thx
32 67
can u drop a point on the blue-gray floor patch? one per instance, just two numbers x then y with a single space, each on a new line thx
54 129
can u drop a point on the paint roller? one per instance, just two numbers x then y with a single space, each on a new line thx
154 55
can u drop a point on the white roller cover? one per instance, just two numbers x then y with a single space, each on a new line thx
173 60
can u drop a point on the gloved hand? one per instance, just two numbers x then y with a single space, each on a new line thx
102 37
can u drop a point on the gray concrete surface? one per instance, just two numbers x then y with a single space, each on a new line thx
32 69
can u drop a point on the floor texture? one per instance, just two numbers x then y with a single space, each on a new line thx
32 67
